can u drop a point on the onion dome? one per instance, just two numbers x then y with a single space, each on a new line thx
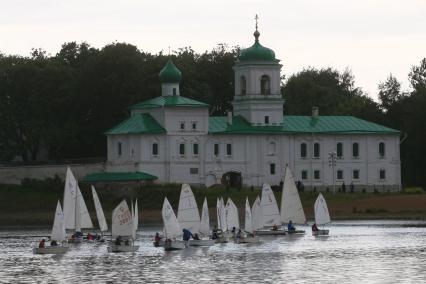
257 51
170 73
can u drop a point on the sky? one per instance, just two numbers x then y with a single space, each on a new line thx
373 38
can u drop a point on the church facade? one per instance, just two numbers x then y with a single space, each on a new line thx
174 139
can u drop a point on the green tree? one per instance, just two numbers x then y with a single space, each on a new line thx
389 92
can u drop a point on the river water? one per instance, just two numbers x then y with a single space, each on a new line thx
355 252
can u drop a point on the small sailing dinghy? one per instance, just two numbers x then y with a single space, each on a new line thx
204 228
57 236
171 228
248 236
188 215
122 230
322 216
232 219
103 227
291 206
270 214
221 222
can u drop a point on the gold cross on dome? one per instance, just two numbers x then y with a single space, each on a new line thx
256 18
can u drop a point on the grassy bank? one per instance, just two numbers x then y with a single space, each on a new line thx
33 203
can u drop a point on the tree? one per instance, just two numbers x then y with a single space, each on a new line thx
417 76
389 92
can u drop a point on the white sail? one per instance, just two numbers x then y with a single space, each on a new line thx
232 219
268 203
256 213
58 230
205 222
122 221
85 220
99 212
291 206
218 213
188 215
322 216
70 193
171 224
223 221
248 220
135 219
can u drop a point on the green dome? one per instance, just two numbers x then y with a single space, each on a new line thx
257 51
170 73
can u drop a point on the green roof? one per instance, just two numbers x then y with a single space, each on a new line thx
299 125
141 123
170 73
257 51
118 176
168 101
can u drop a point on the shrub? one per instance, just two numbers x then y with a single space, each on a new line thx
413 190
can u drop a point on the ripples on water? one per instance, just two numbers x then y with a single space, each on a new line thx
368 251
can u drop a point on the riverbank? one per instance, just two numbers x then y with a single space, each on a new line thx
33 203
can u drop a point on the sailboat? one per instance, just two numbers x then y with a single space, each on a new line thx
322 216
172 228
221 221
248 236
204 228
135 219
75 211
58 235
232 219
256 213
188 215
103 227
291 206
122 230
271 218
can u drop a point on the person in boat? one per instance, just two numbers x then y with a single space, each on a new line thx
118 241
53 243
126 243
187 235
215 234
157 239
233 232
196 237
42 243
290 227
314 227
78 234
239 234
274 228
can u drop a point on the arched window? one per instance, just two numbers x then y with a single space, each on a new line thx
316 150
265 88
243 85
382 149
303 150
339 150
355 150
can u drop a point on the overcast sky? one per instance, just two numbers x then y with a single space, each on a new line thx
371 37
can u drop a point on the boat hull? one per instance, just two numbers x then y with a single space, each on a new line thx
51 250
221 240
296 232
201 243
122 248
247 240
270 233
161 243
320 233
75 240
174 245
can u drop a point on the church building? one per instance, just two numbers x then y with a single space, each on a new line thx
173 139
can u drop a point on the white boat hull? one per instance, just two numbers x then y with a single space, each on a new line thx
51 250
174 245
221 240
201 243
320 233
122 248
270 233
247 240
297 232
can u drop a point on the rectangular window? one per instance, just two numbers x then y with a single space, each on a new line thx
339 148
119 150
155 149
382 149
272 169
382 174
174 91
316 150
266 119
182 149
229 149
316 174
216 150
355 150
195 149
304 174
303 150
182 125
193 171
355 174
339 174
194 125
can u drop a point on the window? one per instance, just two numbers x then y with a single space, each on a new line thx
265 85
194 125
174 91
119 148
339 174
193 171
195 149
382 174
243 85
355 150
303 150
228 149
266 119
316 174
182 125
272 148
216 150
355 174
272 169
382 149
155 149
182 149
339 150
304 174
316 150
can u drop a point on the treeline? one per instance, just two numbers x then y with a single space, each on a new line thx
58 106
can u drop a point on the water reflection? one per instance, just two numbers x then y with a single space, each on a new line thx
356 251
